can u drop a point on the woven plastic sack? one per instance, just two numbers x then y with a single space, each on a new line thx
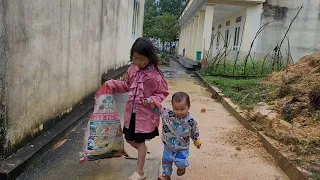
103 136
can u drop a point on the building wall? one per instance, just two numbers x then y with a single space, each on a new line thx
2 80
232 26
304 34
251 27
57 51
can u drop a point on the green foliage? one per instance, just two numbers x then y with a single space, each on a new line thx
168 27
244 91
161 19
150 19
316 175
170 6
228 67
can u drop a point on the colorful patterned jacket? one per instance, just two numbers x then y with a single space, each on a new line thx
176 132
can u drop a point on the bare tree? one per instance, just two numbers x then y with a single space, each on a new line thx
252 43
277 49
289 56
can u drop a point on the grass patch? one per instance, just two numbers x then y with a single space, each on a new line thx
243 91
228 67
316 175
164 59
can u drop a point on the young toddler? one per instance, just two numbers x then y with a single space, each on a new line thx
178 126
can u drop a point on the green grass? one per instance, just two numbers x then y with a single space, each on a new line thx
316 175
238 88
254 68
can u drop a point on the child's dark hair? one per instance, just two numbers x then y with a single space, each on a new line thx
145 47
179 96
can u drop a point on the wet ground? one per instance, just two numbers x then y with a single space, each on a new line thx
229 151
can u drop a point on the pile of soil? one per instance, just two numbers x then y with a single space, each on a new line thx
307 65
298 95
297 123
245 139
242 138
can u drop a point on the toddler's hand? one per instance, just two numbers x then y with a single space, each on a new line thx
199 146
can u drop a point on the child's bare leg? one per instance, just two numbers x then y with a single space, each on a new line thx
133 144
142 152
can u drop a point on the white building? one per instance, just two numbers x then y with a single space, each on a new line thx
238 22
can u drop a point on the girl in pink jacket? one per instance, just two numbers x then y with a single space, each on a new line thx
143 80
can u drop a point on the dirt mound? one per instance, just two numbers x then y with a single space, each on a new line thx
242 137
299 88
297 105
245 139
307 65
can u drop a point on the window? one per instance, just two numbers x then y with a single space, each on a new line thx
227 32
135 17
218 35
237 31
236 36
226 38
238 19
218 38
212 33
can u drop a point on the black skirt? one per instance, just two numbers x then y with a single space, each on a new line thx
130 135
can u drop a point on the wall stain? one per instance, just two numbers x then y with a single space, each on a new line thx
86 35
116 25
3 79
98 57
319 12
278 12
67 71
23 34
117 16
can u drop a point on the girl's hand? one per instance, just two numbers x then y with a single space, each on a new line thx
148 102
145 102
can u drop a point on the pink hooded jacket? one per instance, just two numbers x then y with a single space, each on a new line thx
141 84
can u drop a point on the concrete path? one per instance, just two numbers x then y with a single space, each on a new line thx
229 151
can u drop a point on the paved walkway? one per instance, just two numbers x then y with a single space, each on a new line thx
229 151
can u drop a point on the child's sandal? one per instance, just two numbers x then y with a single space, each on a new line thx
181 172
164 177
136 176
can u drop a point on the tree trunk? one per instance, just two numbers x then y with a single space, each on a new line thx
163 48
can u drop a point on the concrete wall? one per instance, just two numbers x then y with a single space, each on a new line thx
2 80
57 51
304 34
